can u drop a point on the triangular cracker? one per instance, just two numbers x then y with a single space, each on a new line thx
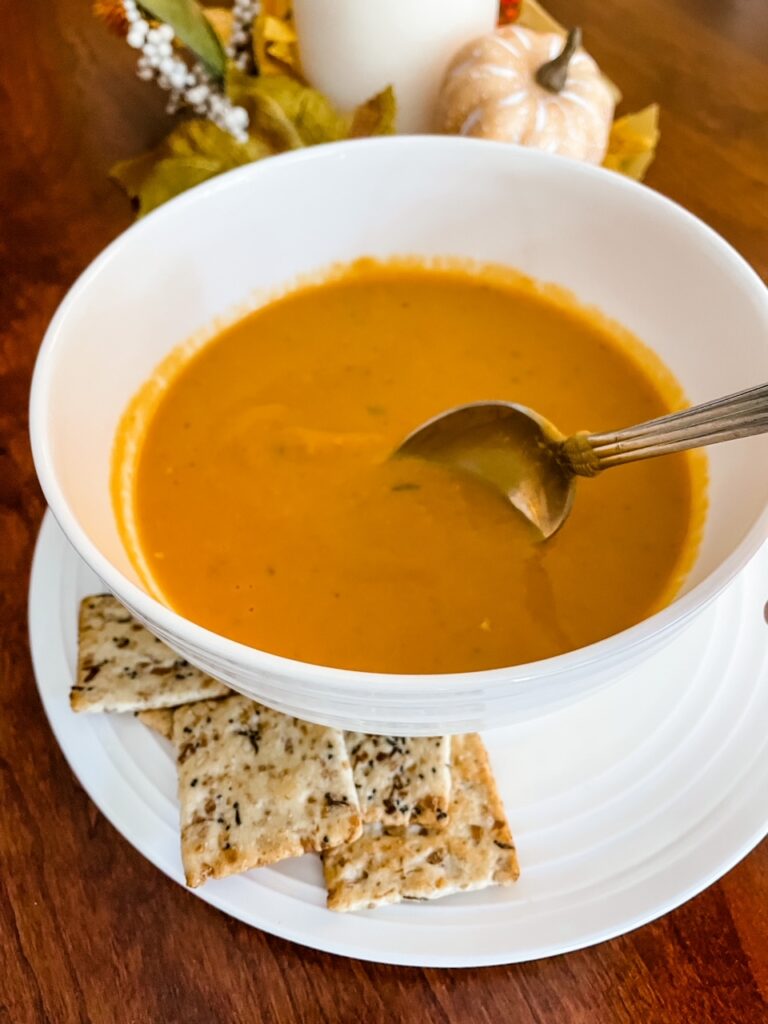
473 851
401 780
256 786
123 667
160 720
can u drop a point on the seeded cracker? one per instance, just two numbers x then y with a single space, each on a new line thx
122 667
256 786
160 720
473 851
401 780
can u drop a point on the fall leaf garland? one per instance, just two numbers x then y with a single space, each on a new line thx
255 67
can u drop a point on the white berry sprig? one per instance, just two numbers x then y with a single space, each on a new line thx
240 45
187 86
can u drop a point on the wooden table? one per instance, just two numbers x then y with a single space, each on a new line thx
89 931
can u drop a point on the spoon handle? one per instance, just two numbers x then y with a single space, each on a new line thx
723 419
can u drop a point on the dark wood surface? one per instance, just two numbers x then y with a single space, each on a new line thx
89 931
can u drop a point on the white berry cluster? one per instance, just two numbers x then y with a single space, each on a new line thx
240 42
191 86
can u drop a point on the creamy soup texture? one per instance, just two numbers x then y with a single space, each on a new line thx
262 502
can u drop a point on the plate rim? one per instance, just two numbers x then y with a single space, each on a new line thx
50 545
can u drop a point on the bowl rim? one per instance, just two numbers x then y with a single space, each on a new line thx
276 666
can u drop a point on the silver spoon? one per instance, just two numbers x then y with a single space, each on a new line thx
525 457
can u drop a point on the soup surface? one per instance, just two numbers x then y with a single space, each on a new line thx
261 502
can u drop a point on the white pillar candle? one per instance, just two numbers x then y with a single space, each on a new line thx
352 49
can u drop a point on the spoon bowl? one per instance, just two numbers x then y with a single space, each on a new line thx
511 447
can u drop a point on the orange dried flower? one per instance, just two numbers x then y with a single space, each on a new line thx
112 13
509 11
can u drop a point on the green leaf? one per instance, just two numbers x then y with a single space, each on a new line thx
376 117
187 20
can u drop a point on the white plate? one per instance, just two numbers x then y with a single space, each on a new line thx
623 806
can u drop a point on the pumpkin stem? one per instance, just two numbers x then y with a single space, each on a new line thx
554 74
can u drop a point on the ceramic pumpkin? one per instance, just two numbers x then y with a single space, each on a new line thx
521 86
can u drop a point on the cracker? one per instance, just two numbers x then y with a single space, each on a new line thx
473 851
401 781
256 786
123 667
159 720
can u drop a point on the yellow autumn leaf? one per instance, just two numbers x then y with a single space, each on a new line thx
278 31
221 22
193 152
274 39
285 112
532 15
632 143
288 113
279 50
376 117
172 176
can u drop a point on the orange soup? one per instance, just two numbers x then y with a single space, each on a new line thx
257 496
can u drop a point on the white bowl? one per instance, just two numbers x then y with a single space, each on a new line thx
615 244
